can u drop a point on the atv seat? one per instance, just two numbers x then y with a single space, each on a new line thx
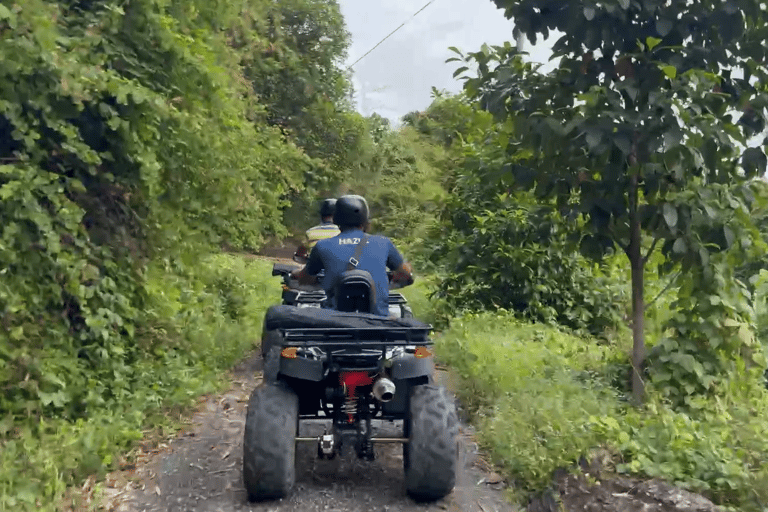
355 292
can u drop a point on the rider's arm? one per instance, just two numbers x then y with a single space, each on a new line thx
303 276
303 250
308 273
403 272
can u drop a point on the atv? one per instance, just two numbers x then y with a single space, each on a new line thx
349 368
313 296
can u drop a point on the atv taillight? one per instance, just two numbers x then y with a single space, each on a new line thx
289 352
422 352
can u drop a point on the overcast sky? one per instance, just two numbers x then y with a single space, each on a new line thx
398 76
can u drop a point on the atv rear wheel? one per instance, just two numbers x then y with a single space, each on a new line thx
269 446
431 454
270 339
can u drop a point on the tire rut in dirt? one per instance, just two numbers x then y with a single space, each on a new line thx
269 443
431 455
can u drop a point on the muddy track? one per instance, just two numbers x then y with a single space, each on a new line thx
201 469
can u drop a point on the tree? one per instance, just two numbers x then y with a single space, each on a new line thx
641 128
292 53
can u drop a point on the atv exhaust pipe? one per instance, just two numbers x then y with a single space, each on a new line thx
384 389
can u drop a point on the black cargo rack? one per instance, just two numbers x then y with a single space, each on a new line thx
360 337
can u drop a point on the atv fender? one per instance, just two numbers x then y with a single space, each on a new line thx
409 366
302 368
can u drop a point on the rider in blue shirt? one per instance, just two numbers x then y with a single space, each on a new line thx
333 254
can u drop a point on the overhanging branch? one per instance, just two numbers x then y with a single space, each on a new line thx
650 250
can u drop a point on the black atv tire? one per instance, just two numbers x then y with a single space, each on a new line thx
430 456
269 445
270 339
271 367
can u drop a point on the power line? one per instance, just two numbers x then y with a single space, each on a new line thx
388 35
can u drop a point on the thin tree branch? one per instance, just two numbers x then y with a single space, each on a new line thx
671 281
650 250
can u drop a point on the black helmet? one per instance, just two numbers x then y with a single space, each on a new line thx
351 211
327 207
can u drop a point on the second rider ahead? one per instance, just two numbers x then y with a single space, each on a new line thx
377 254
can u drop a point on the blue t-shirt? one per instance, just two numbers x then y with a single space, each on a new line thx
333 254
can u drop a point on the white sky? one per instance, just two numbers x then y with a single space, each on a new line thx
398 76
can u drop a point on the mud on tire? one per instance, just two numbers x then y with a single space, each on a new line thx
431 455
269 446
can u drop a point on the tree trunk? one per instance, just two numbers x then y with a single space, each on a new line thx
637 265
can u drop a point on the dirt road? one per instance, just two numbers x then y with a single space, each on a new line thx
201 470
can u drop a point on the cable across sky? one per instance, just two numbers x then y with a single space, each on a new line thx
388 35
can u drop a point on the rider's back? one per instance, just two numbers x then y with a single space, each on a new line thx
333 255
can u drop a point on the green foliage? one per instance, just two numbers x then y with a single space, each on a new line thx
532 408
131 142
760 305
189 331
638 128
130 138
711 335
497 249
419 298
404 187
512 253
291 53
543 399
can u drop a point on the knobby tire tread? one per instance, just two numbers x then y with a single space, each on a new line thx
431 458
269 445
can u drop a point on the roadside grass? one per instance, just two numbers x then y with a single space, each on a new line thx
198 322
543 398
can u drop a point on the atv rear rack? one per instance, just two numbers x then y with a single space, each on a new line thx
359 336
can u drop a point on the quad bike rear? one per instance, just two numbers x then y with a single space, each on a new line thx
313 296
349 369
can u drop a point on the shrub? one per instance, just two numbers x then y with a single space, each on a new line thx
190 332
543 398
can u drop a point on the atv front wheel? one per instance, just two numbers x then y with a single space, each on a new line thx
431 454
269 446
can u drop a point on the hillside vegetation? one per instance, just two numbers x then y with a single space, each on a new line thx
591 241
135 139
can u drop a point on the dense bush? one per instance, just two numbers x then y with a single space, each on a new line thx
496 249
195 323
504 256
